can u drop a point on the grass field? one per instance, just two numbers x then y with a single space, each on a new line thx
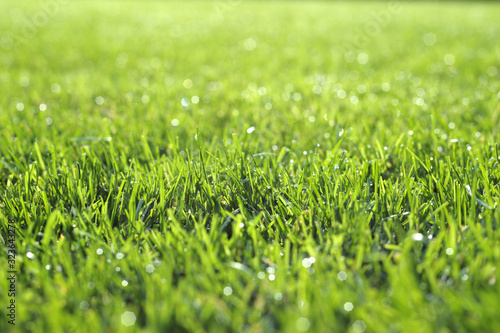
250 166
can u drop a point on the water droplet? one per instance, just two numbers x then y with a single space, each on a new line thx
175 122
30 255
429 39
99 251
363 58
251 129
250 44
24 81
84 305
342 276
449 59
307 262
55 88
348 306
150 268
359 326
302 324
228 291
124 283
99 100
187 83
418 237
449 251
20 106
128 318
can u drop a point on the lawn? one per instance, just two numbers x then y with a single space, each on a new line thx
249 166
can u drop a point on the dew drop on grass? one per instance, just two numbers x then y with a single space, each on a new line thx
363 58
358 326
175 122
250 44
307 262
348 306
150 268
261 275
20 106
342 276
128 318
30 255
278 296
429 39
119 255
55 88
302 324
124 283
228 291
42 107
449 251
24 81
99 251
449 59
272 277
47 267
251 129
84 305
418 237
492 71
195 99
99 100
91 285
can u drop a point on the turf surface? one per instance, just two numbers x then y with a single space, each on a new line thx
250 166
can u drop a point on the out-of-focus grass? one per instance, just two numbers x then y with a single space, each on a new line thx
239 168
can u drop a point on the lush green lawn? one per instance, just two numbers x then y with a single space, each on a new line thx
250 166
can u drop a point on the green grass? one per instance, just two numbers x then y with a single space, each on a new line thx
206 216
